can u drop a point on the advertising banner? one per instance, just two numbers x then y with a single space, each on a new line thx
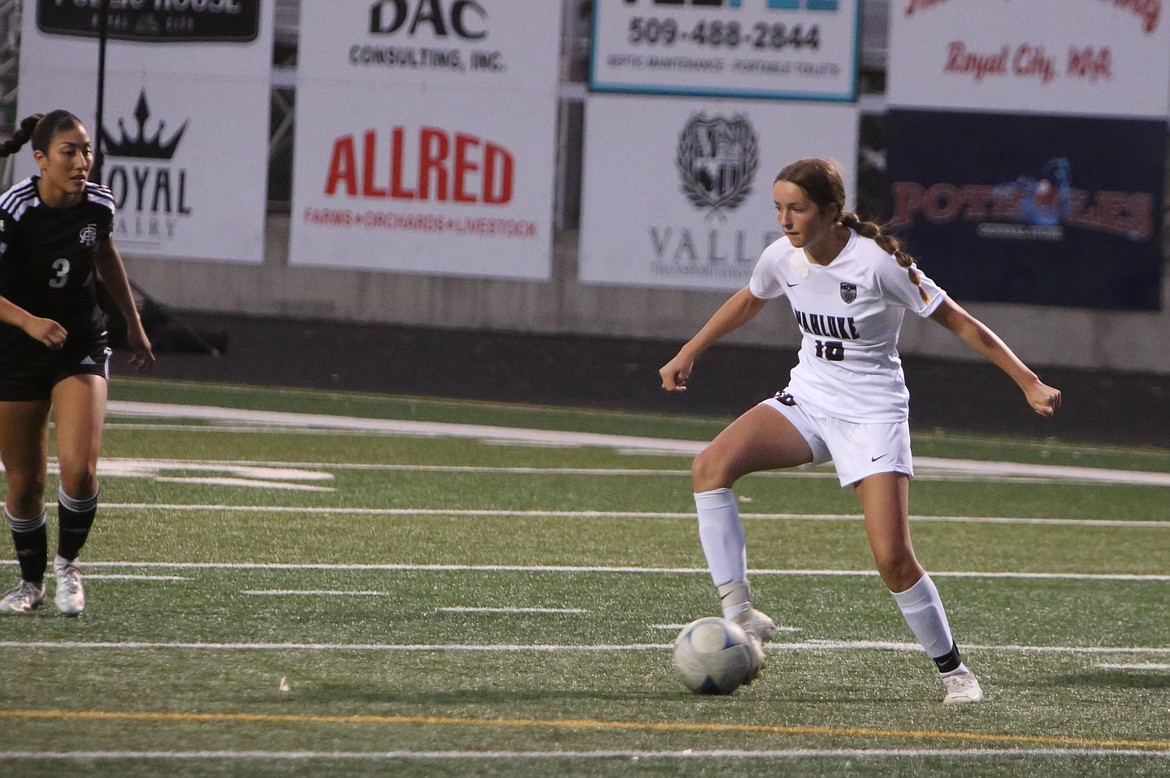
678 193
426 137
161 21
423 181
800 49
469 44
1032 209
185 116
1068 57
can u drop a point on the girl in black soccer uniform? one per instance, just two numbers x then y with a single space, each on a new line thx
55 245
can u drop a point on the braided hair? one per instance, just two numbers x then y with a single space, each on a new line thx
821 181
40 128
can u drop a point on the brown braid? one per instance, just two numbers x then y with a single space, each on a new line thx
821 181
888 243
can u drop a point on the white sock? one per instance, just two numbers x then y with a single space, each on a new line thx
923 610
735 597
960 670
721 535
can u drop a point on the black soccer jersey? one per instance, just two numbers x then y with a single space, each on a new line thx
47 258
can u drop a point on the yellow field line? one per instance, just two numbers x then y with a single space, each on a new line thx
644 726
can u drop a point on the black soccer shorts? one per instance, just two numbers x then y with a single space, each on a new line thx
29 371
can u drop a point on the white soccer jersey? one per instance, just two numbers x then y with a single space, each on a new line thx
850 313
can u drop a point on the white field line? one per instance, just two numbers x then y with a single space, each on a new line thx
209 646
240 474
283 419
1132 667
470 513
130 467
115 577
677 627
1123 577
697 423
311 593
628 755
113 466
810 645
274 471
926 473
245 482
521 436
251 473
454 609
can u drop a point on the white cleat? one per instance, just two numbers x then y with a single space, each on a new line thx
70 597
962 689
23 597
758 657
757 624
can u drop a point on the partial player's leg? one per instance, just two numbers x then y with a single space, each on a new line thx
79 408
885 502
24 450
760 439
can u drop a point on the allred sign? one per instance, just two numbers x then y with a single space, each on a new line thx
431 164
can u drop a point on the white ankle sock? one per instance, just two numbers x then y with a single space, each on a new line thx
735 597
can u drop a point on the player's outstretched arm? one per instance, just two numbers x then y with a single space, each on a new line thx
737 311
1044 399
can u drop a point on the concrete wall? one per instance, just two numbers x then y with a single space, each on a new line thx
1060 337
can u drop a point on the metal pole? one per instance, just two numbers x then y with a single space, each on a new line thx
103 34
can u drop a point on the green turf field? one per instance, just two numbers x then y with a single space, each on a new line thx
297 583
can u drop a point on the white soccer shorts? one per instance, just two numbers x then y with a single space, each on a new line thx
856 450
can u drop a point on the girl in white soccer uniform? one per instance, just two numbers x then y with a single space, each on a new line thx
849 286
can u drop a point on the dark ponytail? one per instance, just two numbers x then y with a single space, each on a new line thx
40 128
21 136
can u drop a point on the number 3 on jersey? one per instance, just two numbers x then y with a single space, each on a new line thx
832 350
61 273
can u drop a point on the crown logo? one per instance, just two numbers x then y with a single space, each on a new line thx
142 146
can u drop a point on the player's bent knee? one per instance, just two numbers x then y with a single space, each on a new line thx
25 486
79 485
709 471
25 504
899 570
894 560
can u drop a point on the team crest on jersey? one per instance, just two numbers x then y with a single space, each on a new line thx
88 235
717 160
848 292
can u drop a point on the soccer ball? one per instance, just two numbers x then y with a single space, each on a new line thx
715 656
